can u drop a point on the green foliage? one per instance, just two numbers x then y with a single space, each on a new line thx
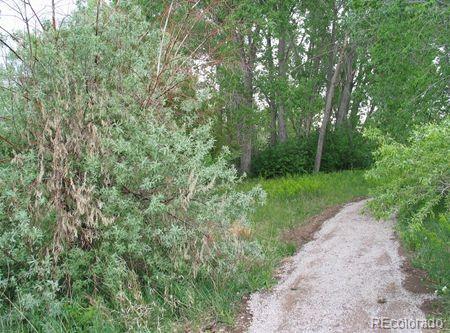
413 180
407 63
344 149
287 158
290 202
118 211
110 210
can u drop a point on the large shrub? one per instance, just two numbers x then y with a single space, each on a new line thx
413 181
107 204
287 158
344 149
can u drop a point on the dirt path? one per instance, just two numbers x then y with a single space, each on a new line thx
349 274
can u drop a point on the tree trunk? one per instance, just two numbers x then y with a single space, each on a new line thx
299 72
245 138
282 71
245 126
353 117
273 122
308 124
327 111
346 90
334 46
359 81
313 75
270 95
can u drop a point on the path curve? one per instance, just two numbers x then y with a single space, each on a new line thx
349 274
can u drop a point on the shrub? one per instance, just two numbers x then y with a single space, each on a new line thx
288 158
108 207
344 149
413 180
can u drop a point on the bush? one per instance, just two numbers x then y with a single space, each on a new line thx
288 158
108 207
343 150
413 180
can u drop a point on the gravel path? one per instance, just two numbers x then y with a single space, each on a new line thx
349 274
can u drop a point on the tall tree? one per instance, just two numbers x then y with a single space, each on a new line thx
244 99
269 94
407 79
328 108
282 77
349 74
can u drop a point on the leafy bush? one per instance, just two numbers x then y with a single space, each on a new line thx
413 180
343 150
288 158
108 207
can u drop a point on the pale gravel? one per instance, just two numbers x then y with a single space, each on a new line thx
334 283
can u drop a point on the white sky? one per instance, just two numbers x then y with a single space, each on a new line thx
12 12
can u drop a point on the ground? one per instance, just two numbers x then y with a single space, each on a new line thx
350 274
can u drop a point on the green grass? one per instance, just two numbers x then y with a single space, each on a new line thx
431 252
292 200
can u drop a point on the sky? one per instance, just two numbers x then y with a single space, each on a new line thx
12 11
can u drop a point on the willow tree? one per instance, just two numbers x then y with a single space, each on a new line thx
407 63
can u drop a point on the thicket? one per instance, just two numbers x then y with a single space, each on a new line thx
345 149
412 181
109 207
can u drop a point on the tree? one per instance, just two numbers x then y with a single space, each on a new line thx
328 109
347 87
405 46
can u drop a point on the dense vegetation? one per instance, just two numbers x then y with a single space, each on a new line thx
126 130
412 180
344 150
110 209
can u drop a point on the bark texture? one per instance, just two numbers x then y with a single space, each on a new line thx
346 89
327 111
282 72
244 99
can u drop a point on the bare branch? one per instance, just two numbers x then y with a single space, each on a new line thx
11 49
162 39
